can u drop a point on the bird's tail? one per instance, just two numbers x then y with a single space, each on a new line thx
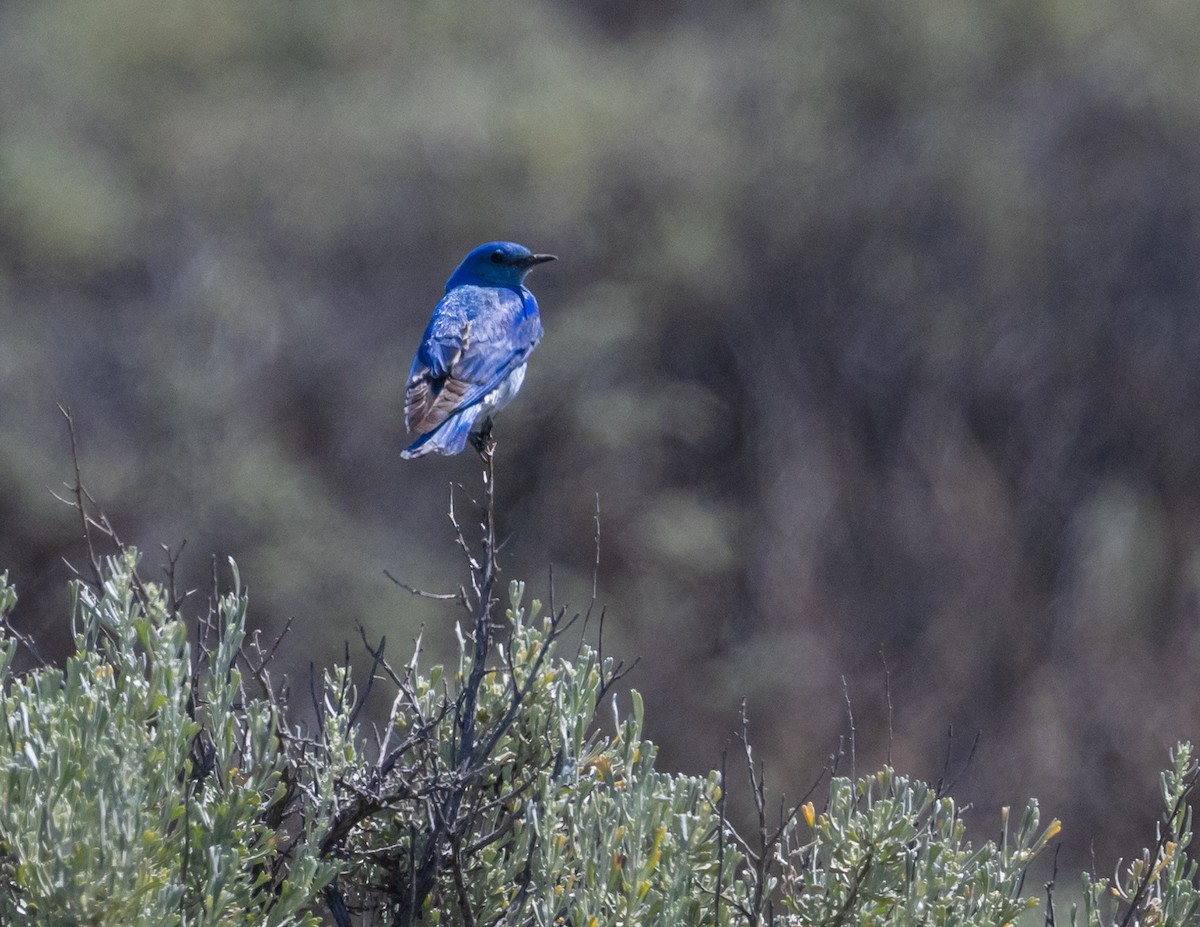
450 437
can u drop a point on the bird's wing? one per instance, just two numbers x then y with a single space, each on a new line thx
476 337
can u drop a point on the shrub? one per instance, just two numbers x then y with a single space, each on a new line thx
142 786
142 783
1160 886
138 788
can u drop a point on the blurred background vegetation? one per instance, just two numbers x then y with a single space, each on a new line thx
875 329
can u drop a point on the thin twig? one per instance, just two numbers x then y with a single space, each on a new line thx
460 886
944 783
720 841
80 494
377 658
175 598
1050 890
439 596
762 855
596 565
850 717
21 638
860 874
887 692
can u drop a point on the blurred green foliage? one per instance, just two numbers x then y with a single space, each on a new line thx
875 329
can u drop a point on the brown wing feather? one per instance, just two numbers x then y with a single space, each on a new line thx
425 409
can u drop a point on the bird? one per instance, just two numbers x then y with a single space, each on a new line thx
472 357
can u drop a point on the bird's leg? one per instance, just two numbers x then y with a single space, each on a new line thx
483 441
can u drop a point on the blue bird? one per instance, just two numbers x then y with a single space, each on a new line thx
472 357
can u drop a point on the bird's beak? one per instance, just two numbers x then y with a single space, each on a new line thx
540 259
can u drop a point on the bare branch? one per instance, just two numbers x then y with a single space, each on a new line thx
887 692
175 598
720 839
377 658
439 596
945 782
596 565
80 494
1050 890
460 886
850 717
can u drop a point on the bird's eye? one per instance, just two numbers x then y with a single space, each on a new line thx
497 257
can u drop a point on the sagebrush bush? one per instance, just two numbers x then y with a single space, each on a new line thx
890 850
142 783
1160 886
560 823
138 788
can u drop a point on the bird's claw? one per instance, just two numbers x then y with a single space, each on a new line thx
482 440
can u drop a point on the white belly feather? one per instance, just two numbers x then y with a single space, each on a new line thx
502 395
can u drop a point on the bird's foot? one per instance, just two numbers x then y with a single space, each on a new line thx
482 440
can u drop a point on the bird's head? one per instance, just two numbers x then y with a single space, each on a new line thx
498 263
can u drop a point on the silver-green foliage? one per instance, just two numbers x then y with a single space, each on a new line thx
890 850
565 824
552 822
1161 886
105 817
141 785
